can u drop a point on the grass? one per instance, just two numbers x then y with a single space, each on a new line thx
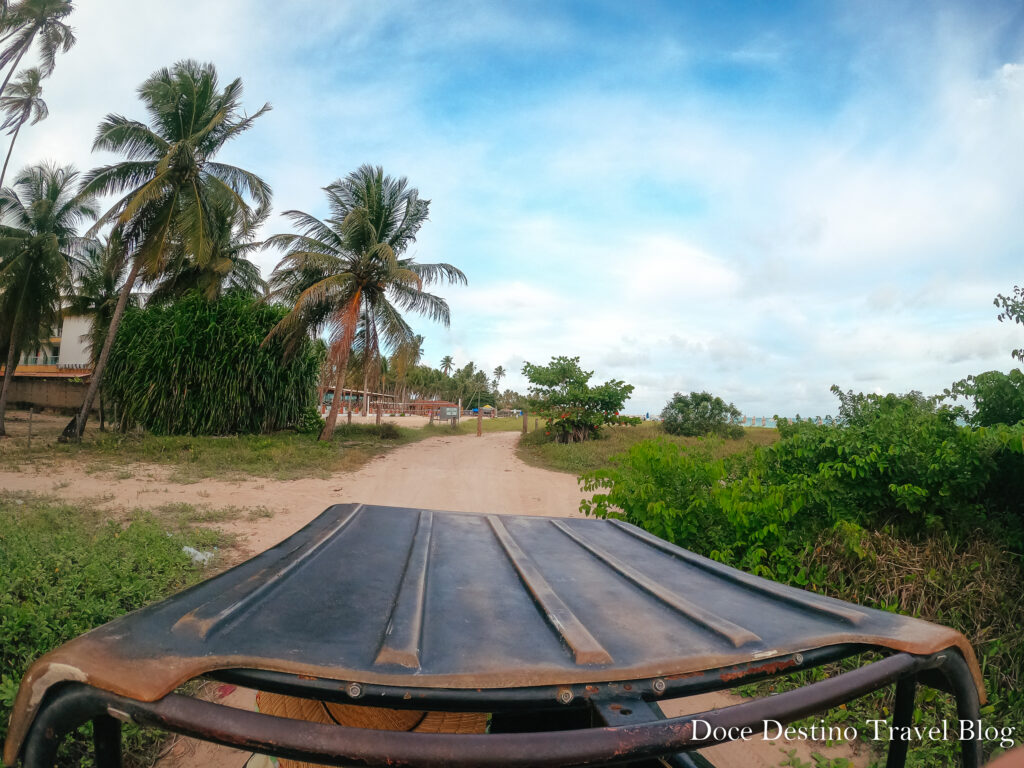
65 568
283 455
577 458
468 426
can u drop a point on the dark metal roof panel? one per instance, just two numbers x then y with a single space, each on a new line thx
411 597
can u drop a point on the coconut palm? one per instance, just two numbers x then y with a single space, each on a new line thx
168 182
228 266
22 103
499 374
23 23
98 283
347 274
39 243
447 364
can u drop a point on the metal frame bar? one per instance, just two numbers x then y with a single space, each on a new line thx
537 697
72 704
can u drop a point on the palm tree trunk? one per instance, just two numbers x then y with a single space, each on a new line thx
12 353
12 360
73 431
339 383
10 149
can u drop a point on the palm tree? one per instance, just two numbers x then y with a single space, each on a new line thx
24 22
98 285
228 268
39 243
169 182
403 361
346 273
499 374
23 102
447 363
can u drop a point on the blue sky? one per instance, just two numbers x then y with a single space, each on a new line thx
758 199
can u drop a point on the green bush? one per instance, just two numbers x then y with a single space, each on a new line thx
64 571
700 413
941 501
573 410
996 397
310 421
198 367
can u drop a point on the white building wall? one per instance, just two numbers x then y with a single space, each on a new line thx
74 341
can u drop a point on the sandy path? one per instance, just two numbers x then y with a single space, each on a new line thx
460 473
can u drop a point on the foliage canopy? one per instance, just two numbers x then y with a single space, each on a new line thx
574 411
700 413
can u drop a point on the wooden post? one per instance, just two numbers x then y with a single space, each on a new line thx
534 425
31 410
380 411
431 417
479 423
525 416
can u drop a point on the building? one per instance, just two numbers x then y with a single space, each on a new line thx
56 373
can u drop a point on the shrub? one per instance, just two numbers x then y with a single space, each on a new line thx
573 410
310 421
201 367
64 571
700 413
997 398
937 495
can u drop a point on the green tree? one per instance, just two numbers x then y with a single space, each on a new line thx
98 283
39 243
499 374
574 410
23 103
997 398
227 268
168 183
1012 308
447 364
24 22
347 273
700 413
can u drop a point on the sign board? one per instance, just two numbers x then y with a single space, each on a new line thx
448 412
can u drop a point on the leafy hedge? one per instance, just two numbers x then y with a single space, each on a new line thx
200 367
63 571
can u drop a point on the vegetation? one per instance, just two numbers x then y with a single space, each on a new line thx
573 410
537 449
39 217
889 507
22 103
700 413
199 367
169 184
1012 308
992 398
64 570
347 274
24 22
287 455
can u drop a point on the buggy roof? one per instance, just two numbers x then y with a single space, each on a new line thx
419 598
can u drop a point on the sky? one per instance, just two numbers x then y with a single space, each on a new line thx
757 199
